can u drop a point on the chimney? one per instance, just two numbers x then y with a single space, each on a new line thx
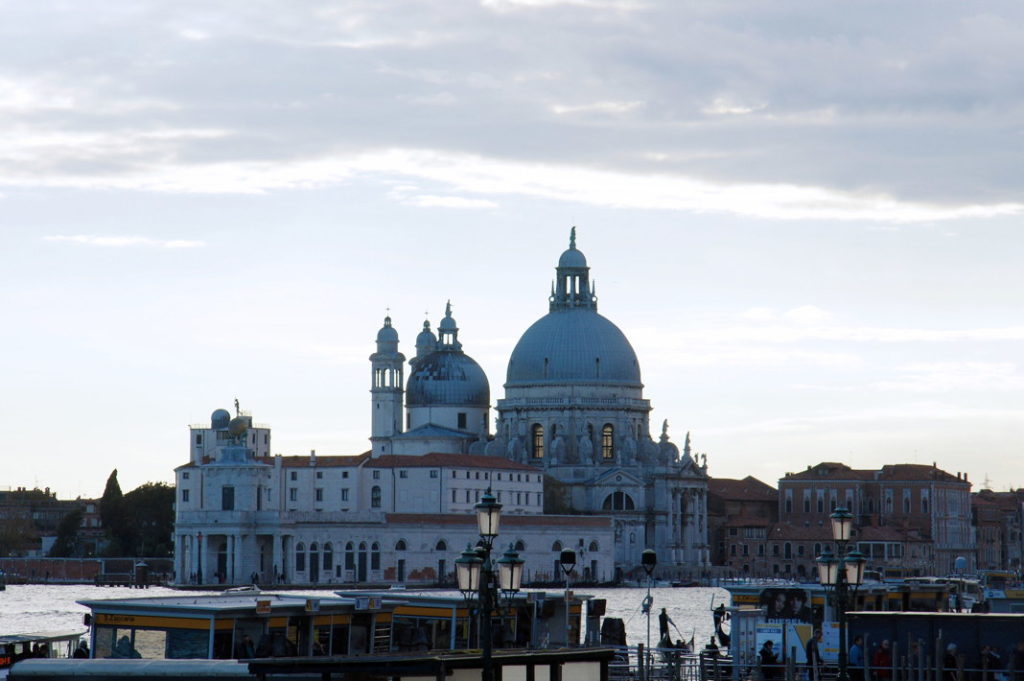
312 457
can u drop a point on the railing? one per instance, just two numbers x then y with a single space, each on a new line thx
567 401
667 664
923 669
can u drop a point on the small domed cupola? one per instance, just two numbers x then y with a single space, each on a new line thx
426 343
571 288
387 338
448 331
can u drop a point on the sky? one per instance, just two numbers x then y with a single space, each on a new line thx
805 216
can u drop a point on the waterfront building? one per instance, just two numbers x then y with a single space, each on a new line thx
909 517
739 515
572 460
997 522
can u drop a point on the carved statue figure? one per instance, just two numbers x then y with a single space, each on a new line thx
586 449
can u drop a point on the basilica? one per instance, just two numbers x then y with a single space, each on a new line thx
571 460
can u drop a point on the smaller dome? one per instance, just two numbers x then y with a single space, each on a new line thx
220 419
387 333
426 335
238 425
447 378
448 323
573 258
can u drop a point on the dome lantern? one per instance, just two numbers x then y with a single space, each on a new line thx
572 280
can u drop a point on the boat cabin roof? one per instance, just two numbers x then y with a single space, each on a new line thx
41 637
229 604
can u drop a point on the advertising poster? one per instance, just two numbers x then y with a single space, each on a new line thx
798 634
773 633
786 604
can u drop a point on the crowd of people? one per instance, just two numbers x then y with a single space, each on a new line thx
878 664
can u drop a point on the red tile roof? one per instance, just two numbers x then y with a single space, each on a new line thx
916 472
747 489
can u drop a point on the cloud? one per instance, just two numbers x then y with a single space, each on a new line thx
807 315
794 113
430 201
778 333
939 377
132 169
124 241
597 107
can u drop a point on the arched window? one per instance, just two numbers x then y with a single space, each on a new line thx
607 442
375 556
618 501
400 546
520 546
375 497
350 556
593 546
537 441
328 556
442 545
557 546
300 557
632 537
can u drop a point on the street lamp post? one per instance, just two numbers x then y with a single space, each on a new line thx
842 573
567 560
649 561
475 574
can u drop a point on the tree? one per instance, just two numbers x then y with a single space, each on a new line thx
139 523
66 545
17 536
112 516
149 520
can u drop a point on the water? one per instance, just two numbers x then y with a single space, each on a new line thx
28 608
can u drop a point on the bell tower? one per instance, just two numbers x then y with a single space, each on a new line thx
386 390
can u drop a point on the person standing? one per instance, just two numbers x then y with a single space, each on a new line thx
813 651
991 664
950 664
663 621
881 662
769 661
856 659
1017 662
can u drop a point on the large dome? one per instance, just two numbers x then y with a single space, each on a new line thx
574 345
448 378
